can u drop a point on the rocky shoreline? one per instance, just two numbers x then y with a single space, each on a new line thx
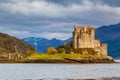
64 60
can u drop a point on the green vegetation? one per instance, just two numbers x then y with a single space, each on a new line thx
62 50
61 53
60 56
51 50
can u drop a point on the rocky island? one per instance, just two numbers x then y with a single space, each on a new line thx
83 49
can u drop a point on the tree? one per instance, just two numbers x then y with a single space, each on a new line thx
51 50
62 50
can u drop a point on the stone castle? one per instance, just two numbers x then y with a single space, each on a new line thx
84 37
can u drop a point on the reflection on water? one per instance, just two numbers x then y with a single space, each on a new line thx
57 71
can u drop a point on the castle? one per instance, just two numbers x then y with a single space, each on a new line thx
84 37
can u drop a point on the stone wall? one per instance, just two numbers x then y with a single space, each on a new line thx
83 37
104 48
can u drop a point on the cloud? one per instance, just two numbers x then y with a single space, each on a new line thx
47 10
48 35
62 36
41 8
112 3
24 18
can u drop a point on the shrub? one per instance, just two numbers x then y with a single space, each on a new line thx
51 50
62 50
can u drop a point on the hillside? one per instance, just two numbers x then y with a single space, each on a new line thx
10 44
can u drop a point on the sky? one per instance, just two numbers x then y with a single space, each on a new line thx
55 18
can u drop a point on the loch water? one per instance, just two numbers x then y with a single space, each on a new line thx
57 71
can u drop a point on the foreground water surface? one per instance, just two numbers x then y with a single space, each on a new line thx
57 71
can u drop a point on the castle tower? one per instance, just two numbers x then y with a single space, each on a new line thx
83 37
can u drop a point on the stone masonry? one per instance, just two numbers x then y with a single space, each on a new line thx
84 37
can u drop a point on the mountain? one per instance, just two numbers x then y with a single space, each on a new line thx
107 34
110 32
41 44
10 44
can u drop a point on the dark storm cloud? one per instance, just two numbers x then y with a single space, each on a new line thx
54 18
113 3
65 2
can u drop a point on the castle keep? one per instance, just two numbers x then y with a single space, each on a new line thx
84 37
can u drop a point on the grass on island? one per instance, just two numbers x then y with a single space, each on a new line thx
59 56
52 53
